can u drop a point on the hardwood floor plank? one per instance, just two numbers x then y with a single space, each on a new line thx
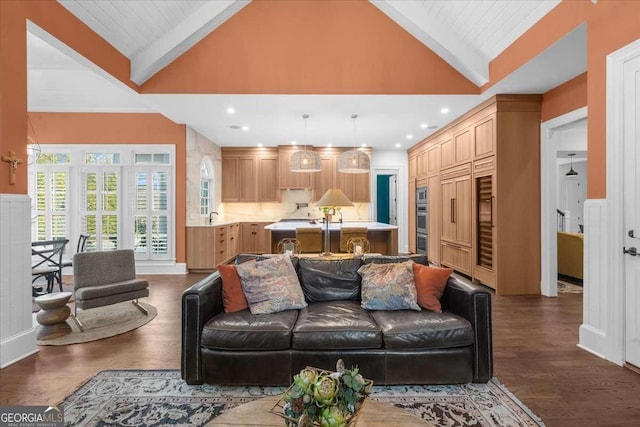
535 356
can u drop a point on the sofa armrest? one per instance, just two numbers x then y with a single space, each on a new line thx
473 302
200 303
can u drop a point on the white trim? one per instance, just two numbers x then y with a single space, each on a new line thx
17 347
615 179
161 268
548 177
401 202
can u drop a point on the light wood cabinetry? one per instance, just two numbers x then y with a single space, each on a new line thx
356 186
233 237
201 248
249 175
254 238
413 168
489 201
433 159
288 179
433 246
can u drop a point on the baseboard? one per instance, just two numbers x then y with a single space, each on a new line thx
161 268
17 347
592 340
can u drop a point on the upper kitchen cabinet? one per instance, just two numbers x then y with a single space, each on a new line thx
356 186
249 175
292 180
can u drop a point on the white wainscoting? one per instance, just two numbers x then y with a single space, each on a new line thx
595 326
17 335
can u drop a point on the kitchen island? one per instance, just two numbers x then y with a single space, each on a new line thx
383 238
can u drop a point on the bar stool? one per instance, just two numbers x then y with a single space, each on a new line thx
347 233
310 239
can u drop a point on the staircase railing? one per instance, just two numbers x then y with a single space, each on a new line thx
561 219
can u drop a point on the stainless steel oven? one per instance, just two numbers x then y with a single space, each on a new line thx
422 219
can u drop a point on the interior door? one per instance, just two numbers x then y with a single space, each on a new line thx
632 210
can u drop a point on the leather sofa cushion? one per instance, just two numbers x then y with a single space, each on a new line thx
386 259
335 325
245 331
329 280
408 329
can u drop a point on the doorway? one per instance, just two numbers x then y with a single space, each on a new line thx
551 133
387 199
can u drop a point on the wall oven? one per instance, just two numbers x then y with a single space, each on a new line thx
422 220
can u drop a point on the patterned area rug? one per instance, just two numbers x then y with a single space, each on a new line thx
568 288
160 397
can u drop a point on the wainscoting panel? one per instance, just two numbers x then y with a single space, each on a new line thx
593 331
17 335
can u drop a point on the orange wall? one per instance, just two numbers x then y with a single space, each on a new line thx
611 25
310 47
118 128
567 97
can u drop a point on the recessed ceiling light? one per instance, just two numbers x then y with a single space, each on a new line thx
424 125
293 143
236 127
245 128
409 136
231 110
260 145
398 145
329 145
445 110
363 145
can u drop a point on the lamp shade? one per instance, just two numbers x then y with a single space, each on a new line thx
353 161
334 198
305 161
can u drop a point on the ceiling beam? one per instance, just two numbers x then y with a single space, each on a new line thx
183 37
453 51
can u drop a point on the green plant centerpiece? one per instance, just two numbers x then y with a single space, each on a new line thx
324 398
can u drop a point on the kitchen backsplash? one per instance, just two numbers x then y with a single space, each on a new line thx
286 208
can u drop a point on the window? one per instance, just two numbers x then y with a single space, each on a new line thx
121 195
206 187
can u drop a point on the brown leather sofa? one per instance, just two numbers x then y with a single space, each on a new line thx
390 347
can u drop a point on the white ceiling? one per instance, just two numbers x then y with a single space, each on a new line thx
468 34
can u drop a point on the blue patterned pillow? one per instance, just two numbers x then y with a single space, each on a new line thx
389 286
271 285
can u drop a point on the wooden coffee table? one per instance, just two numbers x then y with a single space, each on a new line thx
373 414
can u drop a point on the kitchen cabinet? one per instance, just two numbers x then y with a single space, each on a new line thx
412 215
356 186
291 180
326 178
489 201
254 238
201 248
249 175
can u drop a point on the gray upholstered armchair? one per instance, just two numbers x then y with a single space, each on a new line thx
104 278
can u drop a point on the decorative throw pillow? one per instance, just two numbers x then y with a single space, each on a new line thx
430 284
388 286
271 285
232 296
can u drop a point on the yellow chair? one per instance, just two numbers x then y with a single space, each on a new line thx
310 239
347 233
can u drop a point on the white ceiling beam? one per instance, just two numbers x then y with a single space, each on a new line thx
453 51
183 37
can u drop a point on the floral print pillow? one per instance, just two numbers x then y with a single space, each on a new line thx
389 286
271 285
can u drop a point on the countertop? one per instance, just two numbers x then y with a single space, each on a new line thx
292 225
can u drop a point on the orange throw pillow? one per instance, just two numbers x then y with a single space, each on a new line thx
430 283
232 296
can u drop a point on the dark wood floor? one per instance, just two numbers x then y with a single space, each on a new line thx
535 356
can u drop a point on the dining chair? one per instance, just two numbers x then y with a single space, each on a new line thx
80 247
47 258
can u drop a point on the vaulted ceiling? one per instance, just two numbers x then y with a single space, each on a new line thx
467 35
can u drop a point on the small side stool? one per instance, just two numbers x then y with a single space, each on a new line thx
53 316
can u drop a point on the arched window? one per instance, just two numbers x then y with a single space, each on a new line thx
206 187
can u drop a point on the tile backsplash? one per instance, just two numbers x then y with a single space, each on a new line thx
287 208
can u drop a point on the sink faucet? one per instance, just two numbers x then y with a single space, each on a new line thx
210 217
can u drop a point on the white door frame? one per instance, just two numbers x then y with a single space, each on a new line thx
548 199
615 179
400 202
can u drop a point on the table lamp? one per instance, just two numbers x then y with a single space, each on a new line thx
332 199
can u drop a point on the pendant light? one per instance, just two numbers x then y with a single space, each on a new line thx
354 161
571 171
305 160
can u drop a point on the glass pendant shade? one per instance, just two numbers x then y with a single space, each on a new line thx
354 161
305 161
